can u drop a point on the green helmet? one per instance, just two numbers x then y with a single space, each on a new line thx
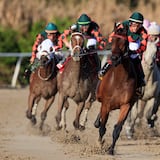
136 17
51 28
84 20
44 34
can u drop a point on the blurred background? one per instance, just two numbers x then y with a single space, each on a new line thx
20 21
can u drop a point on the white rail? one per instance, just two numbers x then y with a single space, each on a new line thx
22 55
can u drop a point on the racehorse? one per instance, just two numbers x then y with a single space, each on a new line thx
150 101
78 81
43 83
117 88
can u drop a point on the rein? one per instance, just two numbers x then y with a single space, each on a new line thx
120 36
49 76
75 47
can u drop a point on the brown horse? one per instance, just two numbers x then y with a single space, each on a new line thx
43 83
78 81
117 88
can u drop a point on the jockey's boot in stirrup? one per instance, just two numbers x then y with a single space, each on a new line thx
104 69
60 65
27 73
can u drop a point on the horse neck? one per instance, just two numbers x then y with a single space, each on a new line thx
47 71
79 68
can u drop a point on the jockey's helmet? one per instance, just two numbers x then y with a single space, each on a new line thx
44 34
136 17
84 20
51 28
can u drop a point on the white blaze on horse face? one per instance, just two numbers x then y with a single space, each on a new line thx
78 45
46 48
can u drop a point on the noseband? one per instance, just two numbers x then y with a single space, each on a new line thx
78 45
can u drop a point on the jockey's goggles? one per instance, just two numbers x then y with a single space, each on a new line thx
134 24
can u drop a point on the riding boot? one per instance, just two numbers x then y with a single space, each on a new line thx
104 69
140 76
97 62
27 73
34 65
60 64
31 68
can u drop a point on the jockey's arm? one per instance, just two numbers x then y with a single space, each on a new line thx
63 39
100 39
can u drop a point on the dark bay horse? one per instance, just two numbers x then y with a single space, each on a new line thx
117 88
78 81
43 84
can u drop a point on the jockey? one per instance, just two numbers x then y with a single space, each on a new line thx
39 38
153 35
51 32
89 29
137 38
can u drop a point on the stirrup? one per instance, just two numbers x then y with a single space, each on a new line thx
100 74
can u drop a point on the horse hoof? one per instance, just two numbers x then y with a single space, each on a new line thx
97 124
28 115
110 151
82 128
58 128
76 126
33 120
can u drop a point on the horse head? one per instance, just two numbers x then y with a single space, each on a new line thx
77 44
149 55
45 59
119 44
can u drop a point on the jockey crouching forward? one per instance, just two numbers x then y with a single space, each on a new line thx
53 35
137 38
91 30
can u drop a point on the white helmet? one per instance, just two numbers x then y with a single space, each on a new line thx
154 29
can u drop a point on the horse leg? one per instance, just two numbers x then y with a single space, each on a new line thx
31 100
131 119
103 117
34 110
79 109
46 108
61 101
151 113
85 112
124 110
62 123
32 107
97 121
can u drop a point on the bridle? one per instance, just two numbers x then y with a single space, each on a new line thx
43 66
117 58
78 36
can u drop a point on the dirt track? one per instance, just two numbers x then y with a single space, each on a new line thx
19 140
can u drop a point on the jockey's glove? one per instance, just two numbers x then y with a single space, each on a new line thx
73 27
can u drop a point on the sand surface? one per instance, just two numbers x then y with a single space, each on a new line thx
19 140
